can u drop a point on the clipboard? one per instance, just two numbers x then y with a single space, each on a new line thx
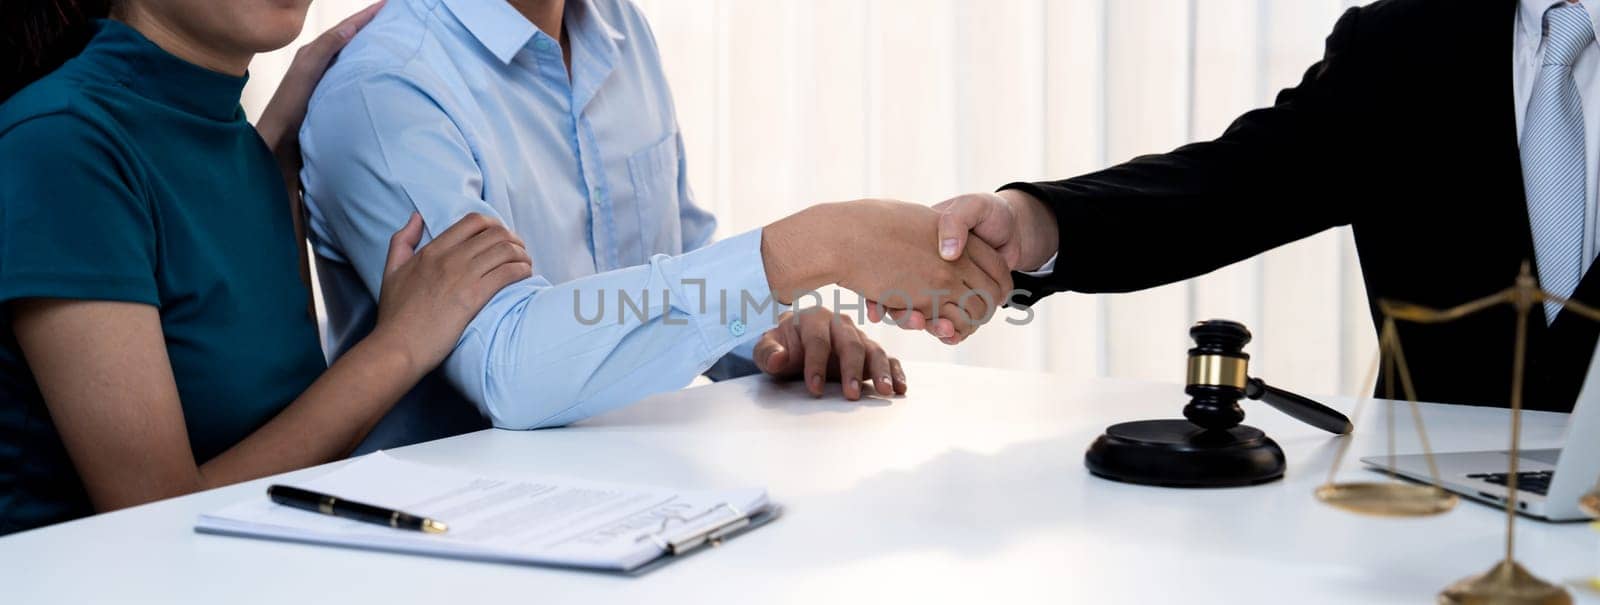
625 530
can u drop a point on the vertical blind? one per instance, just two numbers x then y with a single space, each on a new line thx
785 103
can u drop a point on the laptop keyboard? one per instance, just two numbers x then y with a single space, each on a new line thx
1536 482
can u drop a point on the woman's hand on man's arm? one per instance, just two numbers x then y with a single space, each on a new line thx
280 122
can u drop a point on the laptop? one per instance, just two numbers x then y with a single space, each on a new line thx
1549 482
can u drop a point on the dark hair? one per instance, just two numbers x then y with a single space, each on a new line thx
37 36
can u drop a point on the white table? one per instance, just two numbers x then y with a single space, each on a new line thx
971 489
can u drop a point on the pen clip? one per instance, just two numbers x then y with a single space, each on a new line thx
712 534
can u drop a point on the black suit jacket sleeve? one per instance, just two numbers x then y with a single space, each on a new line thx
1275 175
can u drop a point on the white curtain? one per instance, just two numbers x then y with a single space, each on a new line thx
784 103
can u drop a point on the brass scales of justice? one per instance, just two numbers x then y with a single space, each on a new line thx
1507 582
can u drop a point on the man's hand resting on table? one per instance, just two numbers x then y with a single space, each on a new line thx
819 345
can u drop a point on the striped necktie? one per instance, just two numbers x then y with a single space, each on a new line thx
1553 168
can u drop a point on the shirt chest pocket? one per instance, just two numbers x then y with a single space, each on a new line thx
654 173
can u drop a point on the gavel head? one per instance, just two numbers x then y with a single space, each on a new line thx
1219 369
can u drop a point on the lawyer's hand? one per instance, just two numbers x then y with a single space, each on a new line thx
1016 224
819 345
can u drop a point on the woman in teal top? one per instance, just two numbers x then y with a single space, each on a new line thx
157 338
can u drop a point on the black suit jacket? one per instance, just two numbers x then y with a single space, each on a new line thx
1406 132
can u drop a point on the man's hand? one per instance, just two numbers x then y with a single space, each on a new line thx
819 345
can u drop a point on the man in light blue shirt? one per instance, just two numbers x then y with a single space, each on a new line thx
446 107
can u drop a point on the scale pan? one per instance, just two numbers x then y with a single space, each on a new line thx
1387 499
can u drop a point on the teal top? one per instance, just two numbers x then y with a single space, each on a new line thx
132 175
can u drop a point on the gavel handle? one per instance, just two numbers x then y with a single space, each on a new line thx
1301 408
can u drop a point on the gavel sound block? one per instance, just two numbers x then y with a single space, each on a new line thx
1209 447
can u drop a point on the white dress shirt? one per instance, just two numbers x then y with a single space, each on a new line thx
1529 54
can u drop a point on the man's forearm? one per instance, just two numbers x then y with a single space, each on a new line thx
545 355
796 254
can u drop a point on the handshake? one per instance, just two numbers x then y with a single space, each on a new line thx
945 269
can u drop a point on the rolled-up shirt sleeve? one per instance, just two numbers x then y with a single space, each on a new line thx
538 354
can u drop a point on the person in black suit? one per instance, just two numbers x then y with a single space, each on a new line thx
1445 133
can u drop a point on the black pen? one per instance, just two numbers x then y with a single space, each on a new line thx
308 500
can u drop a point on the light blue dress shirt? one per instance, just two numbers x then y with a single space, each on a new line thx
447 107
